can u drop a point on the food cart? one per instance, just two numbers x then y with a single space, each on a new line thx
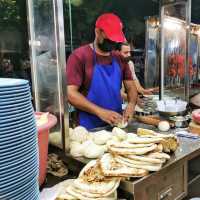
174 179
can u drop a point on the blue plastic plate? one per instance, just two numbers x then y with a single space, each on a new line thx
18 135
9 114
10 131
14 90
12 148
17 105
12 82
14 95
18 98
11 189
18 122
13 102
18 163
16 118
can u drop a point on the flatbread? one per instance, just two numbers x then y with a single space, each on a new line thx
129 163
126 144
158 155
143 140
159 135
92 173
65 195
135 151
92 180
146 159
74 192
101 188
111 168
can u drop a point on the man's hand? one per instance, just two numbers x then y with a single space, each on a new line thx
129 112
147 91
109 116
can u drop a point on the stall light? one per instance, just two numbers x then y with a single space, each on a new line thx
171 24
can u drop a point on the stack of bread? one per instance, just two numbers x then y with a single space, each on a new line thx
144 151
91 185
130 155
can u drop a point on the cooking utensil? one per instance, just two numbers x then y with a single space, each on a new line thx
180 121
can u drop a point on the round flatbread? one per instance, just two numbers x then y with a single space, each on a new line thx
74 192
135 151
158 155
92 180
130 163
143 140
126 144
146 159
111 168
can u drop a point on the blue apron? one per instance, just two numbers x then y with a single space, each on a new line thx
104 91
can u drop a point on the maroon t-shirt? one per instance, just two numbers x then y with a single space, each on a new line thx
80 66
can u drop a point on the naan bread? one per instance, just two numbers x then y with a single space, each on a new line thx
143 140
79 195
158 155
111 168
132 164
126 144
146 159
100 188
135 151
92 180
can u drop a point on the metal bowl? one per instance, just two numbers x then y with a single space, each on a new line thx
172 114
180 121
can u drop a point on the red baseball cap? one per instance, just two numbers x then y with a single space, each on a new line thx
112 27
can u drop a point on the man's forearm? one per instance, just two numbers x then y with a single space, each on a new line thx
132 93
79 101
138 86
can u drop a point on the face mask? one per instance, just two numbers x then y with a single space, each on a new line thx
107 45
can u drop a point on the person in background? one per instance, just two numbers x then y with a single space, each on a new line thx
7 69
95 74
125 51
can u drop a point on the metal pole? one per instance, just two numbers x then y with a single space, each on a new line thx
61 60
32 44
187 76
70 25
161 51
146 52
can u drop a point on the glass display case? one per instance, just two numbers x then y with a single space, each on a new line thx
175 20
48 63
151 72
194 59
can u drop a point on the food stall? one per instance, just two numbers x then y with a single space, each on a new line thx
144 162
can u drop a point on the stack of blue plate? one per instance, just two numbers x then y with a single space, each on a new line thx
19 164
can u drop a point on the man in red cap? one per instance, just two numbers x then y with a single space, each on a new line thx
95 74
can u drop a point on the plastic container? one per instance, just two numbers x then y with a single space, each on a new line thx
43 140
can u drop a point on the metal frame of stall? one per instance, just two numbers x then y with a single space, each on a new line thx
48 62
151 53
165 7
